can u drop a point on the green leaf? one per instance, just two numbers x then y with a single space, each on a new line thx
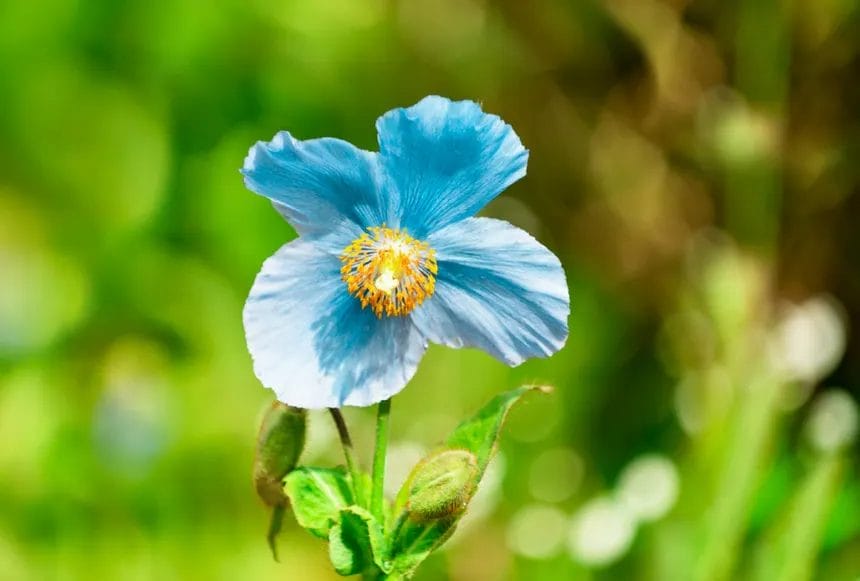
318 495
480 433
415 535
357 544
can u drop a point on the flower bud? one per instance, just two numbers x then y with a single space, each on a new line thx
279 445
442 484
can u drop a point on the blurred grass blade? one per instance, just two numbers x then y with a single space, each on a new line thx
789 550
740 474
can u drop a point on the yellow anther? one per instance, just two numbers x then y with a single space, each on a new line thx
389 271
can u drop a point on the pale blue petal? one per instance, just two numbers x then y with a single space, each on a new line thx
319 185
443 161
313 344
498 289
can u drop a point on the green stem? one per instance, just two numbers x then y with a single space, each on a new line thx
383 426
349 454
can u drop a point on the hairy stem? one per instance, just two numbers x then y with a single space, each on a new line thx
382 430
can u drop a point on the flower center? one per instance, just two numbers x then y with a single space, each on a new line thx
389 271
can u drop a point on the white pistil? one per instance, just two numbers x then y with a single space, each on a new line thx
386 282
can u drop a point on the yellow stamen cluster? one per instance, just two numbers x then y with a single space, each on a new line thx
389 271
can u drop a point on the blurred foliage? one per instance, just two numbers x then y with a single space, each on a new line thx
694 163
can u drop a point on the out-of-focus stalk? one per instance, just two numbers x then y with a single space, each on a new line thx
753 185
789 551
740 474
753 193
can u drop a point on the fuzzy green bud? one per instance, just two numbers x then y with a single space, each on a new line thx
279 445
442 484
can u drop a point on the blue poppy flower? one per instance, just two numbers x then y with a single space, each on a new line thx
389 257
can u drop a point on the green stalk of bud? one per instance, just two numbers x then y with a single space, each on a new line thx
279 445
442 484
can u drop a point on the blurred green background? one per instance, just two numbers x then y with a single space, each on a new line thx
695 165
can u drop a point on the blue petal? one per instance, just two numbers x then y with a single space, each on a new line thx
319 185
443 161
498 289
313 344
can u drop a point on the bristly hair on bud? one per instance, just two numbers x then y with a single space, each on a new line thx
279 444
442 484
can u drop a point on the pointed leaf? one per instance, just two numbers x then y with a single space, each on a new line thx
317 496
357 543
480 433
467 452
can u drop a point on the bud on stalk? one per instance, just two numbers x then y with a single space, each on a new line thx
279 445
442 484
